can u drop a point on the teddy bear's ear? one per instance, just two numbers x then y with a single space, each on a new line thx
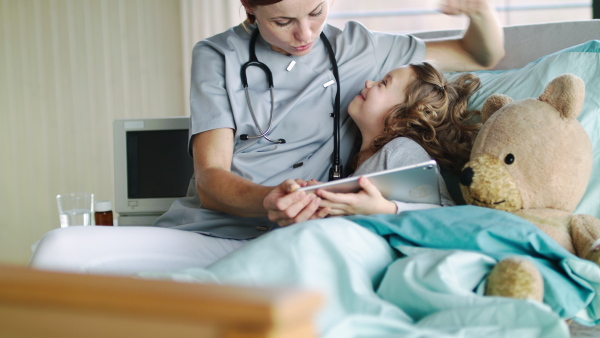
566 94
493 104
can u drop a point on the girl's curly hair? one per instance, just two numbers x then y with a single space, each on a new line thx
435 116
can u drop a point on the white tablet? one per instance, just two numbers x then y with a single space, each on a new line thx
416 183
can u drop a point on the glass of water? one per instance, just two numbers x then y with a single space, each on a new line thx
75 208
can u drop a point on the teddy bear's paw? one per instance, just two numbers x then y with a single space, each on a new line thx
515 277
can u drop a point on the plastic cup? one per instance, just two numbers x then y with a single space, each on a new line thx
75 208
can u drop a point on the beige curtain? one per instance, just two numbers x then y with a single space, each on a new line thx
68 68
201 19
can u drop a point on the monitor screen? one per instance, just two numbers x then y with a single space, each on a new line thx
157 163
152 166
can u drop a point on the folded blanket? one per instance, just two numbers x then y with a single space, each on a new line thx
570 282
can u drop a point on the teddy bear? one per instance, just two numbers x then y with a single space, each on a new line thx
533 158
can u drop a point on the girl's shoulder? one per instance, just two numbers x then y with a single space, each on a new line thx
403 144
397 153
403 151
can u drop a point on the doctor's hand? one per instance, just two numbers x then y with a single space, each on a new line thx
365 202
285 205
470 8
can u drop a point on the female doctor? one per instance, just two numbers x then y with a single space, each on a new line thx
266 98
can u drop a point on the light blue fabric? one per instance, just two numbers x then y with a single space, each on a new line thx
371 292
570 283
582 60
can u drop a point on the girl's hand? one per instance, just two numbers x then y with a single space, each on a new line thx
365 202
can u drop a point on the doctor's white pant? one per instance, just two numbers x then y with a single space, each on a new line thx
127 250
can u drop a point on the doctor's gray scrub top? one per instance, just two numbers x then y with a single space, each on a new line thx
304 97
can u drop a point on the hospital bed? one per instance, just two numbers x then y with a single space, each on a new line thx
51 304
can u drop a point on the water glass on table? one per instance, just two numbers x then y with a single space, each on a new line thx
75 208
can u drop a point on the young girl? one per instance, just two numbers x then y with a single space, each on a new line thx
412 115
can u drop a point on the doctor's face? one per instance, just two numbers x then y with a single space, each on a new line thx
291 26
372 105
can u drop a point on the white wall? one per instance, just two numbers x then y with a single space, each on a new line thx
68 68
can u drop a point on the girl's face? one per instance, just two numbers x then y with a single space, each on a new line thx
291 26
369 108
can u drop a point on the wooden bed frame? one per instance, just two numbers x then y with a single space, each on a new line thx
36 303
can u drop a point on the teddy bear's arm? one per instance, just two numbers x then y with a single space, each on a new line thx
585 233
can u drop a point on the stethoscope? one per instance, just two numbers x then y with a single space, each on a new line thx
336 169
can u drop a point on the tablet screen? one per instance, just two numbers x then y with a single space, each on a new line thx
416 183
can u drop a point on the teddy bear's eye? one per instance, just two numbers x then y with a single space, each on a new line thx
509 159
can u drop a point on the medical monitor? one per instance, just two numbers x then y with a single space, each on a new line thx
152 167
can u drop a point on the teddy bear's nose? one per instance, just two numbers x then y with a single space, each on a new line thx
466 176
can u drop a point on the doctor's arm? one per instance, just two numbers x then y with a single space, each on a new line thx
480 47
219 189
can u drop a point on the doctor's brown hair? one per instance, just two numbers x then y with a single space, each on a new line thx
254 4
435 116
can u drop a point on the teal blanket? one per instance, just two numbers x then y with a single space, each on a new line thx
418 274
498 235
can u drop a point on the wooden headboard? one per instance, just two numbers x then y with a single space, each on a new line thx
35 303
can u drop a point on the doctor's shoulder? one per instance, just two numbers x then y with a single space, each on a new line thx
234 39
356 44
354 34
